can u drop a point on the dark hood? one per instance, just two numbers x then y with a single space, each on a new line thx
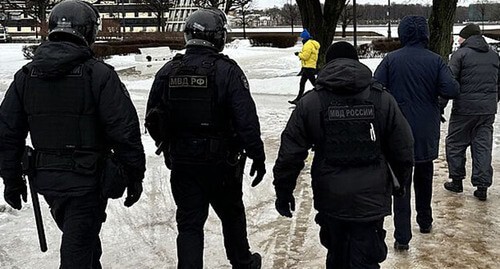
53 59
476 42
344 76
413 30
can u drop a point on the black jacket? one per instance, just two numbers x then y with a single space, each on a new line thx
233 98
416 77
361 193
476 67
116 115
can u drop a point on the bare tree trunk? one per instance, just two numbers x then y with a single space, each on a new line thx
321 24
441 27
163 21
344 26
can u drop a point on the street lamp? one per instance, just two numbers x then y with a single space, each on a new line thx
354 24
389 18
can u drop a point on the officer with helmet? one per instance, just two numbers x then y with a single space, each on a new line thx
77 112
201 115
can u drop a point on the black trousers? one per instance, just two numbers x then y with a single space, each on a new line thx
476 132
306 74
194 188
80 219
351 244
422 180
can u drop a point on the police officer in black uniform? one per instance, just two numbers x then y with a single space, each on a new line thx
201 114
355 129
77 112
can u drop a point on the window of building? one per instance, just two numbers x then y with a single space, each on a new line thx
25 15
32 28
19 28
136 14
131 29
150 14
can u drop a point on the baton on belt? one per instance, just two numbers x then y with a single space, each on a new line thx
28 164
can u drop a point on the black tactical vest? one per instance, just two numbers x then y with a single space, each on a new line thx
350 130
62 118
198 128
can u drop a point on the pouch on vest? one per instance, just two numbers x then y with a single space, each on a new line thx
78 161
113 180
198 149
349 129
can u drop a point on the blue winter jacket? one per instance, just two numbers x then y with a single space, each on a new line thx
416 76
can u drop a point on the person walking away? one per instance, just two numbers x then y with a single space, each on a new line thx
356 131
476 67
77 112
308 58
201 114
416 77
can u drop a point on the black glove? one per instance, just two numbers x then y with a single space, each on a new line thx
400 192
168 162
296 53
285 204
258 166
134 191
14 191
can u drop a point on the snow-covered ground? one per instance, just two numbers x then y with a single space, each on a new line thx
466 232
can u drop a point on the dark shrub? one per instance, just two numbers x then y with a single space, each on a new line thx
133 41
385 45
279 41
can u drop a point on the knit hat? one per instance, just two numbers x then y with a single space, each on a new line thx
341 49
470 30
305 35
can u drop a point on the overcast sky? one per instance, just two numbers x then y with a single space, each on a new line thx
271 3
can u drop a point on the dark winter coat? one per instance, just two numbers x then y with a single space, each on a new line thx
116 114
360 193
233 98
476 68
415 76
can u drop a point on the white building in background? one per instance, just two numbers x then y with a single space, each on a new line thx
179 13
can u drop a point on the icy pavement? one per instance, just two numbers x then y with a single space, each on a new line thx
466 232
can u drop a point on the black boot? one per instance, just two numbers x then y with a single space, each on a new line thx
256 261
455 185
481 193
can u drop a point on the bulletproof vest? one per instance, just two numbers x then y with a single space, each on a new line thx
350 129
62 111
198 128
192 97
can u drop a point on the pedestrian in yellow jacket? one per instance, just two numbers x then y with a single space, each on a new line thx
309 58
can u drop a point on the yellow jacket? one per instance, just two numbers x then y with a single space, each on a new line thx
309 54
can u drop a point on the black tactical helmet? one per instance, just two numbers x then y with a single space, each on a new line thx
206 27
74 20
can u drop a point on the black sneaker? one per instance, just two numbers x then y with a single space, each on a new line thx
426 230
454 186
481 193
399 246
256 261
